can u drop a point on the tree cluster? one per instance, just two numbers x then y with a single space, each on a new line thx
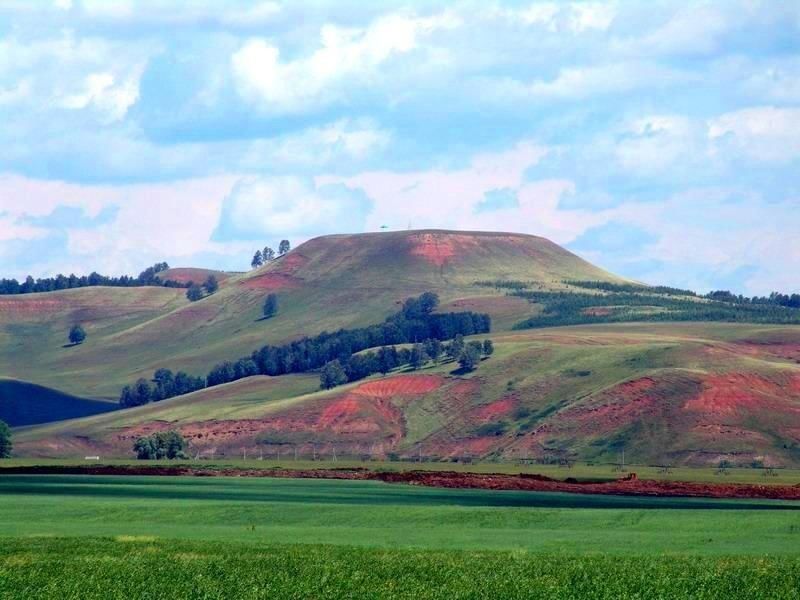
161 445
416 323
198 292
150 276
164 385
262 257
575 308
5 440
388 358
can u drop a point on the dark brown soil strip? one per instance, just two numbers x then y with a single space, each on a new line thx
627 486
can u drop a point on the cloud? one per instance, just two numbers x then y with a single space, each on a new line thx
653 143
103 92
574 83
293 86
131 226
262 208
455 198
763 133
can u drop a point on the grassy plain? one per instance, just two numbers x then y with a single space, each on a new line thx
124 568
148 537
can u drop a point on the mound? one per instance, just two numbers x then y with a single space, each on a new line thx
23 403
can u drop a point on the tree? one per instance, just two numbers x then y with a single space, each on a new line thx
194 293
142 391
434 349
488 347
387 359
418 357
165 384
469 358
169 444
332 375
456 347
211 284
428 302
5 440
268 254
271 306
284 247
258 260
76 335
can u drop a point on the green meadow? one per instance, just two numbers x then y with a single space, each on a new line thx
227 537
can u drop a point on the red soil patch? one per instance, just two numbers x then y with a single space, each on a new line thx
733 393
279 275
615 408
338 412
404 385
783 350
626 486
271 281
495 410
440 248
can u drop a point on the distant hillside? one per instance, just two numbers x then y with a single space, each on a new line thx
665 393
23 403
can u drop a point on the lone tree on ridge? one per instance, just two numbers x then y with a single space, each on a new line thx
76 335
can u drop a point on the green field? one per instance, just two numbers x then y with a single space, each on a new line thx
75 536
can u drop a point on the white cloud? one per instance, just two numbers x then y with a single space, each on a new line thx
604 79
73 72
172 221
695 28
103 92
448 198
763 133
571 17
650 144
261 207
345 53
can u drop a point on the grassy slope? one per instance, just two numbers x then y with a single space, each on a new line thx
556 393
327 283
23 403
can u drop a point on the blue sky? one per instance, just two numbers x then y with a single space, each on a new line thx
660 140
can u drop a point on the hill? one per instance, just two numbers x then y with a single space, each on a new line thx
325 284
666 393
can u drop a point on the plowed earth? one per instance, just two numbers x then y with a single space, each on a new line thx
627 486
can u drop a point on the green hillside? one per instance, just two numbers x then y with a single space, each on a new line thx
324 284
665 391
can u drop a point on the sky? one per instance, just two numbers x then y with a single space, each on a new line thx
659 140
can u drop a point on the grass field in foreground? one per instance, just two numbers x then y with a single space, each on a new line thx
140 568
224 537
374 514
